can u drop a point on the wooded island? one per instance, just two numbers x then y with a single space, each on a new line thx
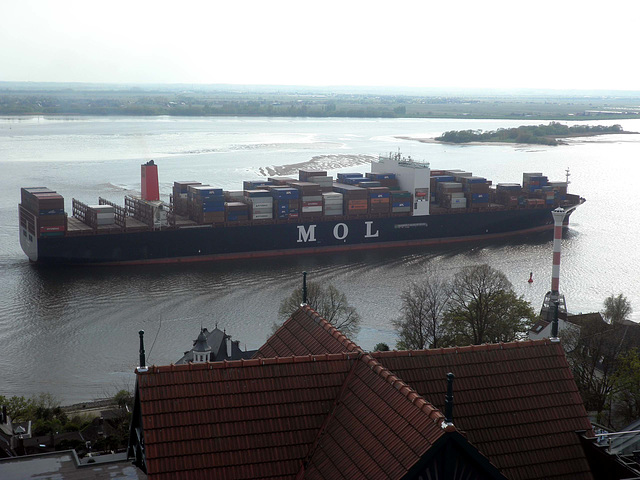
535 134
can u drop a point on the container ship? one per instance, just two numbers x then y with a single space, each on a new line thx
401 202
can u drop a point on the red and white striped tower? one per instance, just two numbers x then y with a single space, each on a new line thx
554 295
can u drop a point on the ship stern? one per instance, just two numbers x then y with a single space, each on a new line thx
27 232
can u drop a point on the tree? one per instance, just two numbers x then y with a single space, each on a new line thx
600 348
626 384
124 399
381 347
617 309
423 307
18 408
594 361
329 302
483 308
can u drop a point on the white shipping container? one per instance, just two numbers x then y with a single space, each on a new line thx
260 199
321 180
236 195
262 205
312 198
262 210
311 209
261 216
105 221
102 216
457 195
449 185
102 208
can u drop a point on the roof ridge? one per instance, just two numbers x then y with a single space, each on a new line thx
252 362
401 386
333 331
330 415
467 348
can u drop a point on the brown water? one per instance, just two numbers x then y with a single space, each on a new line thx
73 332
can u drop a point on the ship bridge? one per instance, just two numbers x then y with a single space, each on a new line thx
413 176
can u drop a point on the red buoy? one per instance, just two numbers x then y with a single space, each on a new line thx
530 277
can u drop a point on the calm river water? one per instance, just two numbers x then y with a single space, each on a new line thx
73 332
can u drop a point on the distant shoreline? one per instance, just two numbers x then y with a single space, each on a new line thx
77 99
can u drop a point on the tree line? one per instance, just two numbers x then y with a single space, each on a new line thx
477 306
536 134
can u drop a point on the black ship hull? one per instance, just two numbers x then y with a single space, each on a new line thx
204 242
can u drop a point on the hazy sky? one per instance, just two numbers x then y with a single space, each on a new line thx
536 44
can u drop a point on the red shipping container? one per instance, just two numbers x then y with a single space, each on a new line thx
59 228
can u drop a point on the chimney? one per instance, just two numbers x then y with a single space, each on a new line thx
554 324
149 181
304 288
227 339
143 364
448 402
4 415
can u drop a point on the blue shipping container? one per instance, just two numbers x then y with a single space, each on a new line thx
342 176
213 208
476 180
204 192
381 176
53 211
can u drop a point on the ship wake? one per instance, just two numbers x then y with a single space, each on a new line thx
319 162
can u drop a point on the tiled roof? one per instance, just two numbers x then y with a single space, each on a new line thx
304 333
336 414
517 403
585 318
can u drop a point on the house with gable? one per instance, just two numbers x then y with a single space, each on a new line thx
214 346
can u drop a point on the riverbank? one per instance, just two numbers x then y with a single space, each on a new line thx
91 409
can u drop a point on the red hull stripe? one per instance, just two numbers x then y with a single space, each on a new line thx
313 250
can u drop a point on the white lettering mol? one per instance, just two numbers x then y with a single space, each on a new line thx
340 235
306 235
369 234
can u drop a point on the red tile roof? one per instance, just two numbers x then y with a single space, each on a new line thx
304 333
266 418
517 403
